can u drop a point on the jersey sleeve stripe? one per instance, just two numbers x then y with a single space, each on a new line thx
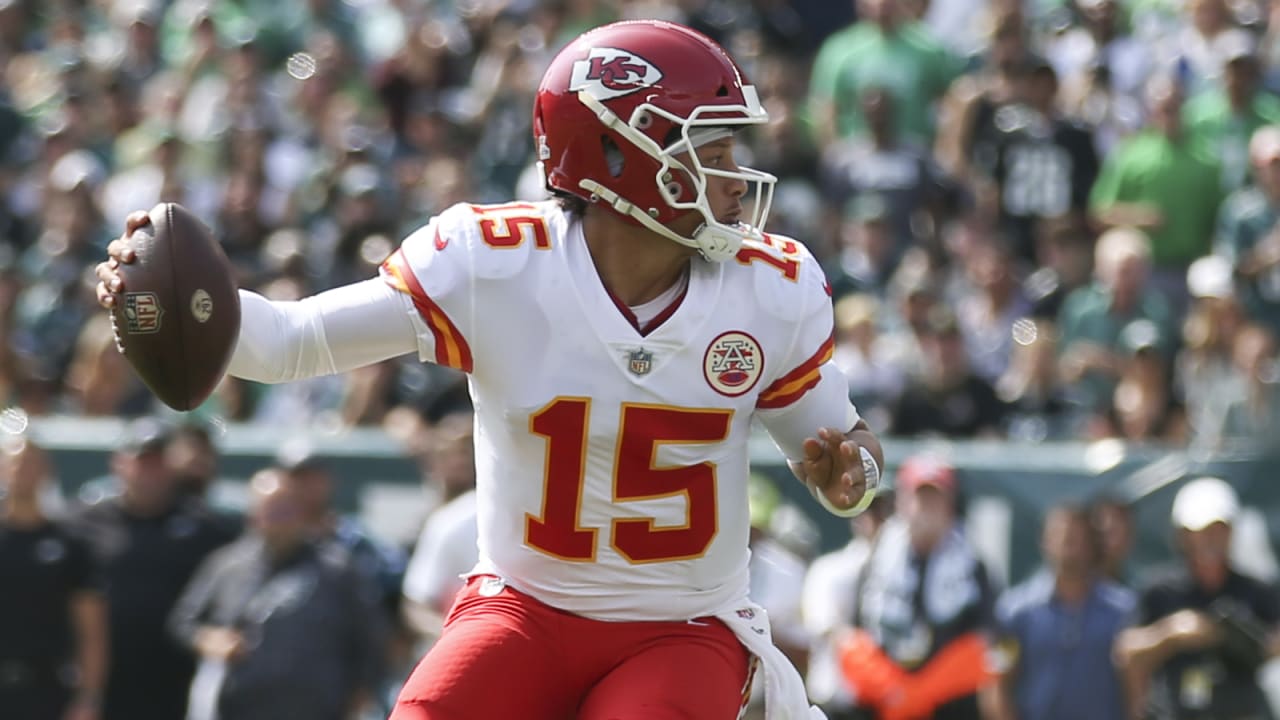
790 387
452 349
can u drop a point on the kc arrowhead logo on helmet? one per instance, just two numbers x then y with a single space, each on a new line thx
609 73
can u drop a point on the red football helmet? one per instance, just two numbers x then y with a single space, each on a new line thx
621 101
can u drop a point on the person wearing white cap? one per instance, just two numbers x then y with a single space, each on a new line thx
1205 628
1204 365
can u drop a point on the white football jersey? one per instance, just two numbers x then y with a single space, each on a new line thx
612 466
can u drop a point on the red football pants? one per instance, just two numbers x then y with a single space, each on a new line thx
508 656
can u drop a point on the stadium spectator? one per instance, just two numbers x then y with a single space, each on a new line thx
1205 372
779 558
310 482
879 165
99 381
923 608
1038 406
446 548
1246 234
1093 318
860 353
777 571
1103 68
884 49
1251 414
828 606
1224 117
1193 44
951 400
1056 630
1205 628
281 625
1113 518
1064 259
1042 164
906 323
148 540
868 252
1143 407
53 617
988 313
1162 183
192 458
967 113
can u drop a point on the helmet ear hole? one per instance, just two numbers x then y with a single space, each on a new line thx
722 92
613 157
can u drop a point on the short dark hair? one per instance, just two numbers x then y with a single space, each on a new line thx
571 204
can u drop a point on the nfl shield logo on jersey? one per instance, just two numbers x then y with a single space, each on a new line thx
640 362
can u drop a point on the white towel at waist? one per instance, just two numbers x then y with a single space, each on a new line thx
784 694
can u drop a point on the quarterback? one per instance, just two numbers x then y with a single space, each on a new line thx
619 340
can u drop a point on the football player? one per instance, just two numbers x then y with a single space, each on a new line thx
619 340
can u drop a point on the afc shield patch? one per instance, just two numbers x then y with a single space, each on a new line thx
733 363
142 313
640 362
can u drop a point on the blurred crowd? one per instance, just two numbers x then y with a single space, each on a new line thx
1041 220
1048 219
140 596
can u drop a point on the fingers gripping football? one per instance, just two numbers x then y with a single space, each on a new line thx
110 281
175 309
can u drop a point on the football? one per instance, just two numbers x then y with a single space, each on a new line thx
178 317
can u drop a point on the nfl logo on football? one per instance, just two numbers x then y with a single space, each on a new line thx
142 313
640 362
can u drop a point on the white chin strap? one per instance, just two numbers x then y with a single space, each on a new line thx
716 241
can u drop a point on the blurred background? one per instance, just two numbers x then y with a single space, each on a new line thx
1049 226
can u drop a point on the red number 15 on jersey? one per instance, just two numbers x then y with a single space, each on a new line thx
642 428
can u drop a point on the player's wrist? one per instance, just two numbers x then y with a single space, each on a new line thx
871 473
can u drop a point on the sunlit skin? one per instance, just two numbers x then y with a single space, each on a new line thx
23 469
1207 553
636 266
929 513
1070 549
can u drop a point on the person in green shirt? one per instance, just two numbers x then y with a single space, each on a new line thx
1247 235
1093 318
882 49
1160 182
1222 119
823 77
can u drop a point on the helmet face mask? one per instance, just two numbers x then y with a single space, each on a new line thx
614 128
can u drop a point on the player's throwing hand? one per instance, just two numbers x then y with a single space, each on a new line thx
110 282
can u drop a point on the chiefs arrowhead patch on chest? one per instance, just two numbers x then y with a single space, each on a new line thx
733 363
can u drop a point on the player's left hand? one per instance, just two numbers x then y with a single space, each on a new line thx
833 465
